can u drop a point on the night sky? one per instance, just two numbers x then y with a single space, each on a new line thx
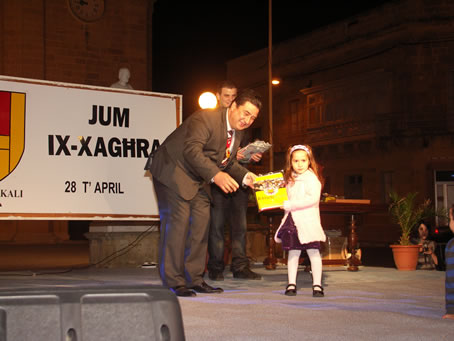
193 40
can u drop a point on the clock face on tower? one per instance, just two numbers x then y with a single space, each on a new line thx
87 10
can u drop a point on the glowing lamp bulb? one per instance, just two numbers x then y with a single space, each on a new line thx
208 100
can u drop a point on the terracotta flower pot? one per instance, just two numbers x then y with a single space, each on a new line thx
405 256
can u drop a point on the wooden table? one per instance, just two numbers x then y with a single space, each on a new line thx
351 208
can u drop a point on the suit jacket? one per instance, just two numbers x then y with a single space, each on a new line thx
192 155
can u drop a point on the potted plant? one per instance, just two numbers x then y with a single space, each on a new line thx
406 213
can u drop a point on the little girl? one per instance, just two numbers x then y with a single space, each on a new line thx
300 228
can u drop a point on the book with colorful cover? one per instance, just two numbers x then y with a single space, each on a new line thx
270 191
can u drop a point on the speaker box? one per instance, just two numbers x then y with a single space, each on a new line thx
90 313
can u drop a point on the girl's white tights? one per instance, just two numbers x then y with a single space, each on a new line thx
292 265
316 265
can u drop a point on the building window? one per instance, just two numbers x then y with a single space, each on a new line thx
335 103
444 192
353 186
314 109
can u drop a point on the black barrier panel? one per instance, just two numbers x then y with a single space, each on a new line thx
89 314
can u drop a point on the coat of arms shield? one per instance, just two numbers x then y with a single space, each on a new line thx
12 131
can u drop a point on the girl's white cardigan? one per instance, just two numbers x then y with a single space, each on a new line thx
304 198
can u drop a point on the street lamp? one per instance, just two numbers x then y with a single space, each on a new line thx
270 85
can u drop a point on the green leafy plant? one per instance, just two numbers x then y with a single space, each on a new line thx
407 213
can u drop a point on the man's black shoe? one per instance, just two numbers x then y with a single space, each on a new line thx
204 288
246 273
216 275
183 291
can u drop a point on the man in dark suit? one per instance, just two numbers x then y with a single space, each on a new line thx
183 167
231 208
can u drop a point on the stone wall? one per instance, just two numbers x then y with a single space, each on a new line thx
42 39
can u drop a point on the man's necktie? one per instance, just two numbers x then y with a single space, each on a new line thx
227 147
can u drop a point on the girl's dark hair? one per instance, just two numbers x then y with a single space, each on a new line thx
429 228
288 172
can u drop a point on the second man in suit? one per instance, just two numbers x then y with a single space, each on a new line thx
229 208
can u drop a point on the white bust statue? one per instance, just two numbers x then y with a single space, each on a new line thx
123 78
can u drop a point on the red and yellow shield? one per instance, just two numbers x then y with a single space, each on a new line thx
12 131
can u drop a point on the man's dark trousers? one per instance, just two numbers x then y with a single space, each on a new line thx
231 209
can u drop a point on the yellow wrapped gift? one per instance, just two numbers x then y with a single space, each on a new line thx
270 191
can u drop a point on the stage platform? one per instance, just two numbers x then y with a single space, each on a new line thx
374 303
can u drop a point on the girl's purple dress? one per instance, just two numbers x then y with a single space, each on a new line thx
289 236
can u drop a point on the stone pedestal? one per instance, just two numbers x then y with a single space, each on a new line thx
123 244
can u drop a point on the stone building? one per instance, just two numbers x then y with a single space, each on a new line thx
374 96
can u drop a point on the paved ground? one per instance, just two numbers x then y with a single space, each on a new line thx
375 303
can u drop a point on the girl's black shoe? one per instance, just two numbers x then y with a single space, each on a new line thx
290 290
317 293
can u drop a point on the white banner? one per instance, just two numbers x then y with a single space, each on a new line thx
71 151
